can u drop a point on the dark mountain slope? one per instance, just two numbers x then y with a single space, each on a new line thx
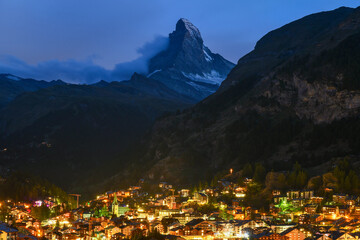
154 88
294 98
12 86
71 131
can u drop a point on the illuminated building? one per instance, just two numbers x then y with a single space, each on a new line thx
115 206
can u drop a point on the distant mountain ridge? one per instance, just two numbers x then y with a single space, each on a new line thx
69 131
12 86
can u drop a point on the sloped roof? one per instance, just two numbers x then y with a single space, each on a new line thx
194 222
5 228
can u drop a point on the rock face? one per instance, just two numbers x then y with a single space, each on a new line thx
309 35
187 65
295 97
319 102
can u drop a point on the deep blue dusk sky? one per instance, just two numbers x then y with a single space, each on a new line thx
105 33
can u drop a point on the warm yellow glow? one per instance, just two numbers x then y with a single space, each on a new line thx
240 195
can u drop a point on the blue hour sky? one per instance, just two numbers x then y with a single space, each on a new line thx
103 33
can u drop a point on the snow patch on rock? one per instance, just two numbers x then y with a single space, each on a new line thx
11 77
149 75
207 56
213 77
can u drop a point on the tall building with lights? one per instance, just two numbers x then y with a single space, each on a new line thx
115 206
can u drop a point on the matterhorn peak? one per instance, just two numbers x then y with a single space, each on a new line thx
184 25
187 65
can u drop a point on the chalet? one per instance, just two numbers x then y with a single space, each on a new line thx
240 226
165 185
179 231
304 219
137 232
341 236
118 236
175 224
276 192
317 200
306 194
356 210
329 209
351 200
279 228
322 237
343 210
310 208
267 217
291 194
238 214
202 198
158 227
248 180
293 234
279 198
172 237
202 225
315 218
298 202
339 198
71 236
32 230
225 184
166 212
7 232
184 192
127 230
269 236
87 214
21 236
185 217
131 188
112 230
212 192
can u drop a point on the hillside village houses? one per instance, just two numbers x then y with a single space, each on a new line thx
292 215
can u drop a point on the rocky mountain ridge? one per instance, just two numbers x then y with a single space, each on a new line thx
12 86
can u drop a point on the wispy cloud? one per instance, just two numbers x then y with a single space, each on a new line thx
86 71
140 65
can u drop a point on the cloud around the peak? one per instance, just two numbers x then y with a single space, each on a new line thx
140 65
85 71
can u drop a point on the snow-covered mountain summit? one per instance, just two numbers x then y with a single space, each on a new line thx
187 65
